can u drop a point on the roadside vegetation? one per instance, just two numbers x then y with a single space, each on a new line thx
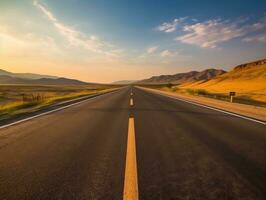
21 99
243 98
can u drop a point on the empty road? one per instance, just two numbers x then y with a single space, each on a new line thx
133 144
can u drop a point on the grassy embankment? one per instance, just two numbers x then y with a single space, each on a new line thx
243 98
21 99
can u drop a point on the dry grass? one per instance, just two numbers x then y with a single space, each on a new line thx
253 111
248 83
18 99
243 98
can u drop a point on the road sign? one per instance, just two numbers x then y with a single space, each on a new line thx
232 94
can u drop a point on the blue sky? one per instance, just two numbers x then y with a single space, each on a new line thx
104 41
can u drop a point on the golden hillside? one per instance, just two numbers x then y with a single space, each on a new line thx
247 80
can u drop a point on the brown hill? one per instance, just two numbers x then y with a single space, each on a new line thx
181 78
246 79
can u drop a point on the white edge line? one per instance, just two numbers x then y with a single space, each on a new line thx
48 112
212 108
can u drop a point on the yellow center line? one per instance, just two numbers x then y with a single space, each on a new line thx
131 175
131 102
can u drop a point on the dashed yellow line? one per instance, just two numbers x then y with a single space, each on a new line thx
131 102
131 175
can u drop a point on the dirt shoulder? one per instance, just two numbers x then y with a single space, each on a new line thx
242 109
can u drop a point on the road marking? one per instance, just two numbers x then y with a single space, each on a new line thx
131 102
212 108
131 174
51 111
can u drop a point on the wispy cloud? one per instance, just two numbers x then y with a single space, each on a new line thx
213 32
168 53
169 27
78 39
27 44
210 33
153 49
45 11
257 38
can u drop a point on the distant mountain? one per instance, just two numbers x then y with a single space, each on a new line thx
35 79
124 82
26 75
4 79
180 78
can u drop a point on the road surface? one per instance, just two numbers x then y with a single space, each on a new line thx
133 146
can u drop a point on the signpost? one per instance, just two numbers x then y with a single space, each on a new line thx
232 94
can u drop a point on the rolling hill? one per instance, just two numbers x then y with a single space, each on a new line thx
246 79
181 78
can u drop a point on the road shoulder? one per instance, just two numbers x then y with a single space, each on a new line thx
254 112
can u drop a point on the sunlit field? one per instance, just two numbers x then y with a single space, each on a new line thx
248 83
18 99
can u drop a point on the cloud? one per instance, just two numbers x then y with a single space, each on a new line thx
169 27
76 38
22 45
45 11
210 33
167 53
152 49
257 38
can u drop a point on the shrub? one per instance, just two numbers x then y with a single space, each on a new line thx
190 91
200 92
175 89
169 85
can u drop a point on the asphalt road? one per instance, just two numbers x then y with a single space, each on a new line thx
182 151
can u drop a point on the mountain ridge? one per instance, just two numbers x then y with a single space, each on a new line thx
124 82
5 78
180 78
247 79
26 75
